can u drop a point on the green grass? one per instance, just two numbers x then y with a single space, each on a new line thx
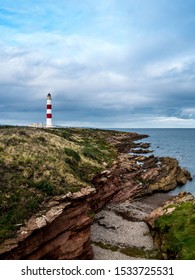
106 246
136 252
44 186
178 232
92 153
140 252
36 164
72 154
21 204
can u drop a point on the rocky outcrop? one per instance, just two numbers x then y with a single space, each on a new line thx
134 176
168 207
174 234
170 176
63 230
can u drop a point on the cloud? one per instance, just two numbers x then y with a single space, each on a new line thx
105 64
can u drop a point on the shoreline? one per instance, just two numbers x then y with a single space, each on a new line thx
176 143
135 212
62 231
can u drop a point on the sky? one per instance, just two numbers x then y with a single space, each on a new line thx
107 64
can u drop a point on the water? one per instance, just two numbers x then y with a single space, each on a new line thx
177 143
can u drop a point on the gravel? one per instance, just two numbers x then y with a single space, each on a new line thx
122 225
112 229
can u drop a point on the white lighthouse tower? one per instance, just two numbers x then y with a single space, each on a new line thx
49 111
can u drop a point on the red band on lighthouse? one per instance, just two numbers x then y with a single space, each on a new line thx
49 116
49 106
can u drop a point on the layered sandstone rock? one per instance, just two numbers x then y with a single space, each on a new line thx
62 232
133 176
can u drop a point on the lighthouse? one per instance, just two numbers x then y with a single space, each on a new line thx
49 111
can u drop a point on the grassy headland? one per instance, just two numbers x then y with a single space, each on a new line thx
36 164
177 232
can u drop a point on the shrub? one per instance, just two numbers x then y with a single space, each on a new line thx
92 153
44 186
66 134
71 153
41 139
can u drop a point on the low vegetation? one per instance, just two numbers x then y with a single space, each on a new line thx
133 252
36 164
177 232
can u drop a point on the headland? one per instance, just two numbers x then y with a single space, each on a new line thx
55 181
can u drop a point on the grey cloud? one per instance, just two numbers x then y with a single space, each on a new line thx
99 84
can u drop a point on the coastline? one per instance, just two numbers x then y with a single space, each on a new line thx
129 177
134 212
175 143
130 218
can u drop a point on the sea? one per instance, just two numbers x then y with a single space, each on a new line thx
178 143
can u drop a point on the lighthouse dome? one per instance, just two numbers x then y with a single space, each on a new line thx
49 96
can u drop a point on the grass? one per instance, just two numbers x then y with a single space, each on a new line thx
36 164
72 154
130 251
44 186
15 208
105 246
93 153
140 252
177 231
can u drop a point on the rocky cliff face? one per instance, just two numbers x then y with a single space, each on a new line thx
63 230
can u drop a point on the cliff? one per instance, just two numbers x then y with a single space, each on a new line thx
56 167
62 232
38 164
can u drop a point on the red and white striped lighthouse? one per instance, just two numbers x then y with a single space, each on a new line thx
49 111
